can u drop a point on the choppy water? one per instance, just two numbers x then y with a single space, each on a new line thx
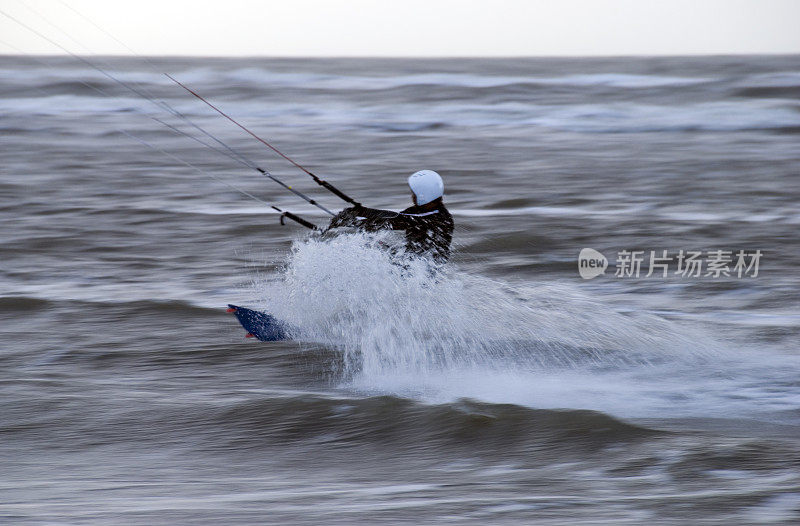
505 390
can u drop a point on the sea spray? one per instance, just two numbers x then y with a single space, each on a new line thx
397 316
439 334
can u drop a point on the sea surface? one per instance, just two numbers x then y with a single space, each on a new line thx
501 389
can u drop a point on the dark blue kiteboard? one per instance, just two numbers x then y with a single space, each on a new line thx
259 324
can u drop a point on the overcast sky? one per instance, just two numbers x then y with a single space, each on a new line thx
406 27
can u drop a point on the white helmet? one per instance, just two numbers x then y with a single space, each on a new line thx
427 185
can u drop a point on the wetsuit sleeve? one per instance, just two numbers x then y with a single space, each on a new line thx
367 219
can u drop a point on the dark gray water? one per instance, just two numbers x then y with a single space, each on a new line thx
505 390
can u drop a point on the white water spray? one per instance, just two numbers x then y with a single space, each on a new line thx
440 334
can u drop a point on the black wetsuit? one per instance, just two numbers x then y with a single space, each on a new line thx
429 228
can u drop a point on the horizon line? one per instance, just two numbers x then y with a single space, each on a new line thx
399 57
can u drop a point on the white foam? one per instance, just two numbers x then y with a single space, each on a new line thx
623 80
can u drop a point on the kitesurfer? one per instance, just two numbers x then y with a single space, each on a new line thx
428 225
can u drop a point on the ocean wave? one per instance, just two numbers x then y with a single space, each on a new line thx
635 118
778 79
784 85
75 75
265 78
67 104
642 211
621 80
300 419
416 117
404 423
67 79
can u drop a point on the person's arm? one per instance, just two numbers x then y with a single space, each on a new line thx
367 219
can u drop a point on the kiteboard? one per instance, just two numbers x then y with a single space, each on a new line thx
259 325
